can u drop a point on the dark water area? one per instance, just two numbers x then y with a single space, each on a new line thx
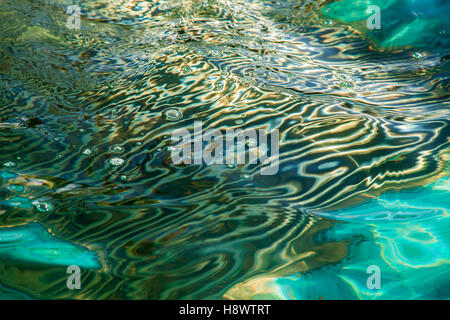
87 179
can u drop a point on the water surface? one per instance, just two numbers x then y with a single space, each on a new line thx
86 176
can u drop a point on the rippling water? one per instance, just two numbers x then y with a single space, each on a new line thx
85 171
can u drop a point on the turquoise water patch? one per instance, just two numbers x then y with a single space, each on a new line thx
403 234
407 205
419 24
32 243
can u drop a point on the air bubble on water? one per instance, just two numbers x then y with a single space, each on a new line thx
186 69
245 176
42 206
230 166
173 114
123 177
116 161
417 55
239 121
139 143
87 151
9 164
117 148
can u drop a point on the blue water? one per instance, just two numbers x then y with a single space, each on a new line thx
359 208
405 234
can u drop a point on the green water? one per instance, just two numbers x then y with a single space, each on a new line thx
86 176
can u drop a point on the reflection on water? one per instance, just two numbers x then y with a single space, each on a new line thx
405 234
86 176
